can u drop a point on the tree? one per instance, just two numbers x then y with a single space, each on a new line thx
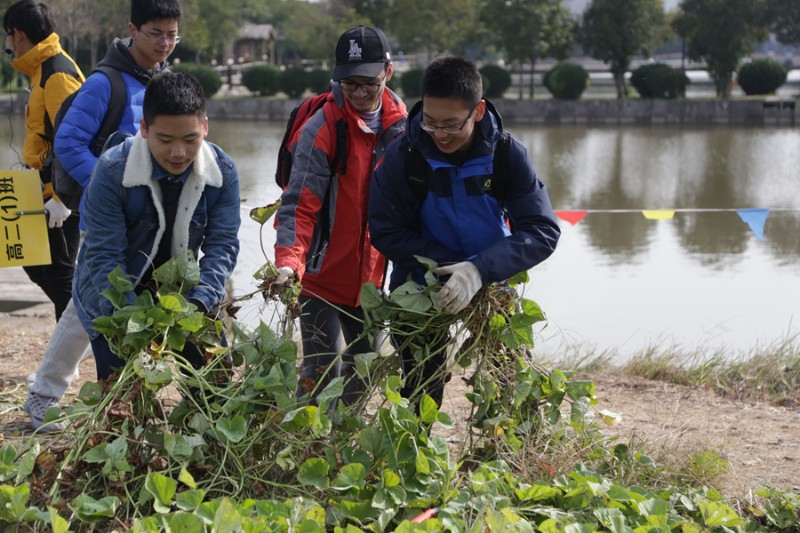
547 26
314 28
785 16
614 31
721 32
434 27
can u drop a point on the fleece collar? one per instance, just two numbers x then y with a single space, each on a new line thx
205 173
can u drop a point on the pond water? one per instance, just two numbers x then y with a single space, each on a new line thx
619 281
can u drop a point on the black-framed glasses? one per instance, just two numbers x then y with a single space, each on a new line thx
449 130
369 88
157 37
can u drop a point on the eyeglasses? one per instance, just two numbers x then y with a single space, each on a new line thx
449 130
369 88
157 37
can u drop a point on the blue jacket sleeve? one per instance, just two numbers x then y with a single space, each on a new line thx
105 246
394 223
220 246
534 229
80 126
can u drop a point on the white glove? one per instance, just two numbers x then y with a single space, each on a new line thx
465 281
285 274
58 213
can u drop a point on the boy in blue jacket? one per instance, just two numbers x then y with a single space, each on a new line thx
459 222
153 197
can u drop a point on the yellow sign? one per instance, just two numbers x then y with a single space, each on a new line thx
23 226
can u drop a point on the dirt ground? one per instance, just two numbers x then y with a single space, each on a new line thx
761 442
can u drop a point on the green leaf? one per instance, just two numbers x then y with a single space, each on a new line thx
393 384
57 522
537 493
332 390
90 393
178 448
717 514
178 273
192 322
429 264
580 389
428 409
120 281
411 297
189 500
370 297
90 510
162 488
13 502
27 462
185 523
176 339
174 302
262 214
234 429
349 476
314 472
302 417
227 518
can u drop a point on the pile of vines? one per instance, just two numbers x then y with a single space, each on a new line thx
231 446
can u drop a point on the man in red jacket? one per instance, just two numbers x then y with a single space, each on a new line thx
323 239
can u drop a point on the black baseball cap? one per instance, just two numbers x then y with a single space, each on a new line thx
361 51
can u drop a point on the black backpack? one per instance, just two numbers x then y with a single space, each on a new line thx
67 189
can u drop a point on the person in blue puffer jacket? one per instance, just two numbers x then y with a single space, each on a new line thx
474 233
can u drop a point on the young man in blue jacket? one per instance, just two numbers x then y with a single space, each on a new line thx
153 197
475 237
153 31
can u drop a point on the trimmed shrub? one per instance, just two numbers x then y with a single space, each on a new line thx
761 76
409 84
293 81
659 81
261 79
318 80
206 75
566 81
499 80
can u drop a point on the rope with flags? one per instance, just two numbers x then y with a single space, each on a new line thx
755 218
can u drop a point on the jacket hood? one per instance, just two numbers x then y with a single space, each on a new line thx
491 128
119 57
28 62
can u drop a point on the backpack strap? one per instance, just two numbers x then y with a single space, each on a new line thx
500 174
339 161
417 171
50 66
115 109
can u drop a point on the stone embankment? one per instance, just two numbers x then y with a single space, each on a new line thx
773 111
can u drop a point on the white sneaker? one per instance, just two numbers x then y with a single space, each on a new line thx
36 406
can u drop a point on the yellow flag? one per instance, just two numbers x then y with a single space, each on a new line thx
23 227
658 214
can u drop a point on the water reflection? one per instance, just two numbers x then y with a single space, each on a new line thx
618 280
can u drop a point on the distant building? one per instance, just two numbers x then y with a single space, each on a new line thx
256 42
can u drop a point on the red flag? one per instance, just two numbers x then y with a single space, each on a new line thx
573 217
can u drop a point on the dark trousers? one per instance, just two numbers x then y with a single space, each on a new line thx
321 325
426 376
55 279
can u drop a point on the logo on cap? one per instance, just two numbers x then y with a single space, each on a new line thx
354 52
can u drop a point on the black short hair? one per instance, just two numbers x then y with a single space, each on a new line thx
173 93
454 78
32 17
144 11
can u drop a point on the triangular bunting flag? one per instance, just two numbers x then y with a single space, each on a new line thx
755 218
573 217
658 214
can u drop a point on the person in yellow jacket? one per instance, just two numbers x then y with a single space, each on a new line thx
31 39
